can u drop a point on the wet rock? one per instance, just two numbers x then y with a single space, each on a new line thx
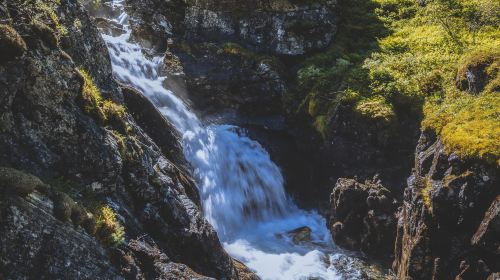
153 123
362 216
109 27
300 235
448 217
244 273
144 260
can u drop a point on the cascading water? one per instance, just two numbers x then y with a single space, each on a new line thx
241 188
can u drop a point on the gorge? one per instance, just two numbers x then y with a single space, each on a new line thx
230 139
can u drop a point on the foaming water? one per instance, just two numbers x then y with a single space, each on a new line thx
241 188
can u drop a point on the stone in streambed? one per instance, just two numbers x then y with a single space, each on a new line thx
300 235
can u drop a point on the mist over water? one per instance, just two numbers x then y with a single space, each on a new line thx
241 188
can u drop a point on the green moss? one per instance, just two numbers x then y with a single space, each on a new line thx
321 125
426 193
486 59
469 125
12 44
13 181
106 111
121 141
108 228
51 14
63 206
91 96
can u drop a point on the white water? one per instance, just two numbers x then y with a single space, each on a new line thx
241 188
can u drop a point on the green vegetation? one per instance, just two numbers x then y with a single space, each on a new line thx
105 110
426 193
395 57
376 108
108 228
48 11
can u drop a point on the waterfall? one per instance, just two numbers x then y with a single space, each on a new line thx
241 188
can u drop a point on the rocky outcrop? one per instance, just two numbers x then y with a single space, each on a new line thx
277 27
63 119
228 52
280 27
362 216
34 244
230 78
448 223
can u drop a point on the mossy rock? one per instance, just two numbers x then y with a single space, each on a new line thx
46 34
13 181
89 224
63 206
12 44
78 215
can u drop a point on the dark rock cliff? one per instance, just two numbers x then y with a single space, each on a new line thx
448 223
63 119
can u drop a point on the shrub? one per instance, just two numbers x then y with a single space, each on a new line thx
108 228
468 125
375 108
91 96
405 55
105 110
51 14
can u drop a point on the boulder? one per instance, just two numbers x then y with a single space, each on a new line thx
300 235
362 216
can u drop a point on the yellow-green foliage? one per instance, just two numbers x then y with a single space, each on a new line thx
426 193
410 54
112 111
51 14
469 125
375 108
121 140
234 48
105 110
77 24
108 228
487 57
91 95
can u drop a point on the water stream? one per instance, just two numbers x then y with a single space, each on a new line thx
241 188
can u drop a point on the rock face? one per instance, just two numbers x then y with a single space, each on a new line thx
229 77
362 217
448 223
63 119
228 51
279 26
